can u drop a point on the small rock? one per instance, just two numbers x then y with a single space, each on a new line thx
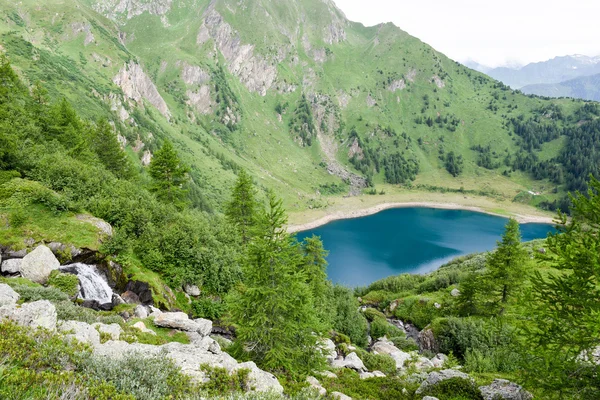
11 266
455 292
314 383
130 298
366 375
140 312
351 348
379 374
439 360
340 396
37 265
8 297
437 305
327 374
327 348
430 398
192 290
16 253
142 327
351 361
502 389
117 300
423 363
103 226
154 312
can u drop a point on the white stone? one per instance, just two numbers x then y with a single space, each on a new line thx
327 348
351 361
366 375
340 396
114 330
8 297
384 346
37 265
39 314
192 290
140 312
176 320
315 384
11 266
379 374
455 292
204 326
439 360
80 331
433 378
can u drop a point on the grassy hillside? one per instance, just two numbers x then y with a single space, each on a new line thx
226 82
586 87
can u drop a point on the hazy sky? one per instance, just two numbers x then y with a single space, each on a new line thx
490 32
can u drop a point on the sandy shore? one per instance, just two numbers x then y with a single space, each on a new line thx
385 206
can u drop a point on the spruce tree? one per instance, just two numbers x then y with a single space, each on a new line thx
314 264
243 207
506 268
169 175
107 148
273 311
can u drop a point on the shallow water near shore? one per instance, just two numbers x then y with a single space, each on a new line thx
408 240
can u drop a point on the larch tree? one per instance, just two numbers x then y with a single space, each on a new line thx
242 209
107 148
169 175
273 310
506 268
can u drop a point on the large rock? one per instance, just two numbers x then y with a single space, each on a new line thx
37 265
176 320
11 266
384 346
433 378
8 297
39 314
142 327
112 330
501 389
259 380
351 361
142 290
427 341
80 331
340 396
129 297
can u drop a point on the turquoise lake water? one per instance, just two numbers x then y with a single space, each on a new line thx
408 240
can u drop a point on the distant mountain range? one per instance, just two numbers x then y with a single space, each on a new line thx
567 76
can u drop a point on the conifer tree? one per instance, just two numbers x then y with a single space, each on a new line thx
243 207
273 311
506 267
108 149
169 175
565 334
314 264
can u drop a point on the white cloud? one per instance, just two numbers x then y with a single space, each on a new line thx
492 33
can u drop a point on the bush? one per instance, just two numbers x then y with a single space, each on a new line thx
418 310
208 308
349 383
372 313
35 293
404 343
68 311
221 382
148 378
346 317
454 389
380 327
378 362
66 283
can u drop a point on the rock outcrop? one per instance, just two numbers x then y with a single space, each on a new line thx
38 314
351 361
137 86
11 266
254 71
127 9
181 321
8 297
80 331
39 264
433 378
384 346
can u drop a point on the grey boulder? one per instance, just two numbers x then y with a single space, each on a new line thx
433 378
384 346
39 314
39 264
8 297
80 331
140 312
351 361
11 266
112 330
501 389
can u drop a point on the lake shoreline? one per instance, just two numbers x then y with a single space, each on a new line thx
340 215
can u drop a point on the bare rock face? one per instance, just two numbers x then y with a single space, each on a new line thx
39 314
194 75
397 85
117 9
200 99
438 81
37 265
86 28
113 330
137 86
80 331
427 341
254 71
103 226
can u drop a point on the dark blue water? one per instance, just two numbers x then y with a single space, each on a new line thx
408 240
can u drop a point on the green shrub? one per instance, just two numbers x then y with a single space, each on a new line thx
349 383
380 327
378 362
149 378
222 382
208 308
454 389
17 217
66 283
372 313
68 311
345 315
35 293
418 310
404 343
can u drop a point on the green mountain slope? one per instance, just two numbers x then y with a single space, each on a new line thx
312 104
